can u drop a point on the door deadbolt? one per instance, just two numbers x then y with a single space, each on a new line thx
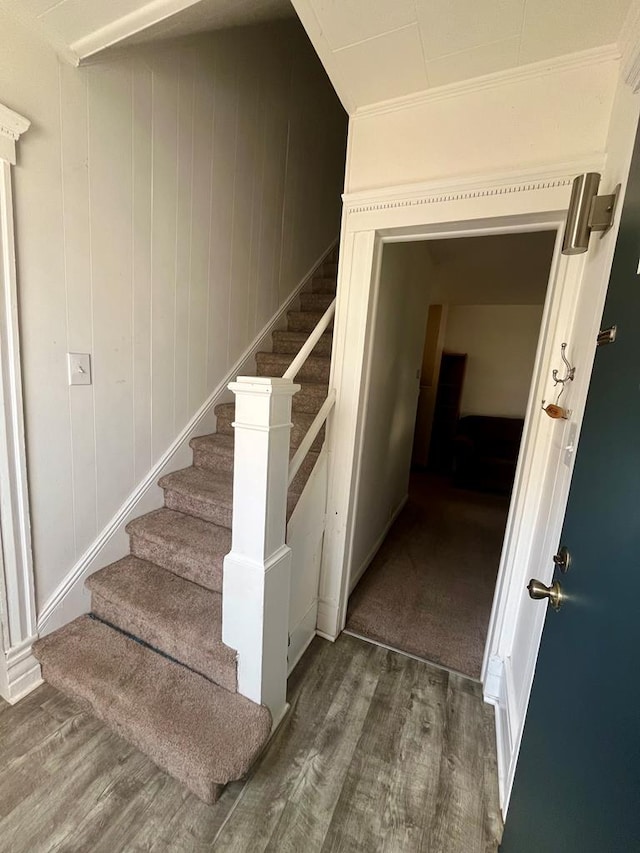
562 560
538 591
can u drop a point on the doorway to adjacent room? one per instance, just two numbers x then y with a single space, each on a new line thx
454 342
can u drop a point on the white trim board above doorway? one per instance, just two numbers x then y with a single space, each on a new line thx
490 204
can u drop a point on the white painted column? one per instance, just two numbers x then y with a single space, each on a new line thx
255 600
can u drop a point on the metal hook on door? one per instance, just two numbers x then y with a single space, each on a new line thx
554 410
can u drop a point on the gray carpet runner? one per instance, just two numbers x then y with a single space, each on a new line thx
149 661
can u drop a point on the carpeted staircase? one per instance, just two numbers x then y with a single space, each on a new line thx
149 660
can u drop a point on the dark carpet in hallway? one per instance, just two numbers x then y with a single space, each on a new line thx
430 587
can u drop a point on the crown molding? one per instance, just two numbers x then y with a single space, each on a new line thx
568 62
630 47
543 176
12 125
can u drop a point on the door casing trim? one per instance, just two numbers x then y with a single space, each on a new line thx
487 204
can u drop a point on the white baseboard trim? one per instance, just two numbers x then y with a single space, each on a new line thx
69 599
362 568
325 636
22 672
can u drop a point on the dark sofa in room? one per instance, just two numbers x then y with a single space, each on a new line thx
485 453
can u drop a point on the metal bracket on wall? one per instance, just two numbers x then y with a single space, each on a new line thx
607 336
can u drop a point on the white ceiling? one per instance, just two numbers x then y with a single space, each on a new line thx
375 50
208 15
79 28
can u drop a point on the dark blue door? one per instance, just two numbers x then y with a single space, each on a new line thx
577 783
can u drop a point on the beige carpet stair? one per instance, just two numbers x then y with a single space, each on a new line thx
200 733
150 661
150 603
292 342
189 547
304 321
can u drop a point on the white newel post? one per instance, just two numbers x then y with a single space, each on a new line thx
255 602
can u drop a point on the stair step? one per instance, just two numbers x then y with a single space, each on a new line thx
189 547
292 342
315 368
316 301
310 398
324 284
202 494
203 458
177 617
213 452
193 729
330 268
225 414
304 321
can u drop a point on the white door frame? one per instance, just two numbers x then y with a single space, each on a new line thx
19 671
485 205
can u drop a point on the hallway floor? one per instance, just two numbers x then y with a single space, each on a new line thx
430 587
379 752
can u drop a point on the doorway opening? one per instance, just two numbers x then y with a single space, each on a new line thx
454 336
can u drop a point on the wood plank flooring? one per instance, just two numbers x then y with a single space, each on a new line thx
380 752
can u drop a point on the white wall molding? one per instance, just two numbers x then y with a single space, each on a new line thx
630 47
12 126
22 671
128 25
568 62
18 670
536 177
69 599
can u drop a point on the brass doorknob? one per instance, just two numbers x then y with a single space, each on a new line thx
554 593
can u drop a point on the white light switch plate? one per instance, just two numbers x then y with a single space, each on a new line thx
79 365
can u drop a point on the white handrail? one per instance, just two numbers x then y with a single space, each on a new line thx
310 436
293 369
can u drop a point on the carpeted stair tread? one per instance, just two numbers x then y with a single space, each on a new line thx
201 493
177 617
214 451
304 321
206 454
292 342
225 414
189 547
324 283
315 368
310 398
193 729
313 301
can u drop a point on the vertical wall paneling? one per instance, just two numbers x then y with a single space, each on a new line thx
201 209
223 173
110 146
184 224
77 254
150 197
141 283
163 270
